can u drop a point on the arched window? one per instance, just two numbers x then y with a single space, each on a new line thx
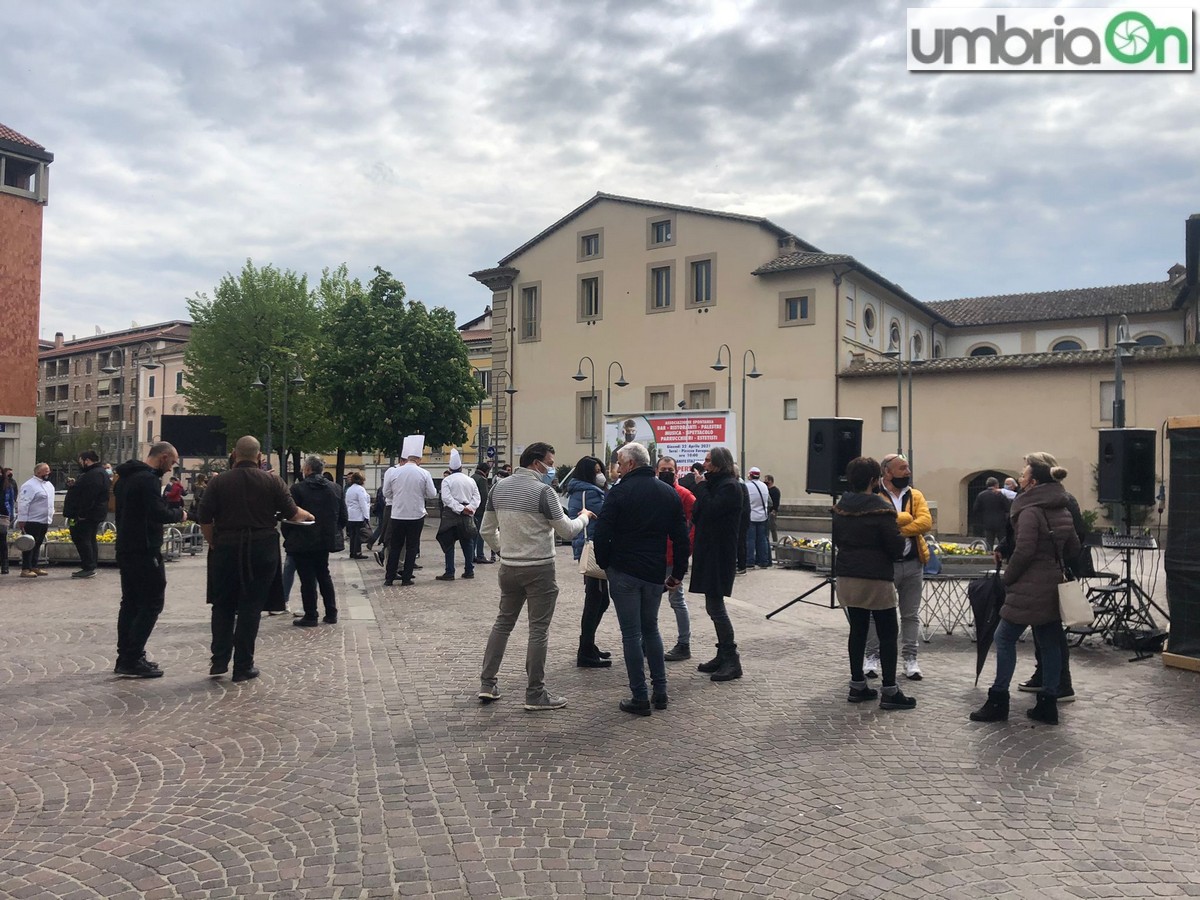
1151 340
918 346
87 392
87 419
894 335
869 319
938 350
1066 344
74 420
984 350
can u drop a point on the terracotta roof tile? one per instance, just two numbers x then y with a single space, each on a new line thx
7 134
802 259
1076 303
952 365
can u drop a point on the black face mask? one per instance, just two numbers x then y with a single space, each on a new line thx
667 476
901 483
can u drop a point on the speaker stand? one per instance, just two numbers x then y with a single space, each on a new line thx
829 580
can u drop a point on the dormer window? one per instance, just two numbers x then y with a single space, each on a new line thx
22 176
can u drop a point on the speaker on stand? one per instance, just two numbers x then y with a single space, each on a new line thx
832 443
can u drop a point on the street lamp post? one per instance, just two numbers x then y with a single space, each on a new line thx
137 350
914 359
510 390
719 366
621 382
258 384
1125 344
579 376
894 352
753 373
296 380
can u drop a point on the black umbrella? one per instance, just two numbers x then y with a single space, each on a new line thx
987 596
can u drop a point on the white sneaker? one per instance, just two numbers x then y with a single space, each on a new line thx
871 667
912 670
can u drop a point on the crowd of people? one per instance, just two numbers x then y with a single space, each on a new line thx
638 529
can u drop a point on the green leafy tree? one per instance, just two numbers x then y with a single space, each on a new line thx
392 367
60 450
260 316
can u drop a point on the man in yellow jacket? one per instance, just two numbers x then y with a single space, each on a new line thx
915 521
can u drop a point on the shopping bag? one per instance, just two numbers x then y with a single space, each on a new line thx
587 559
1073 606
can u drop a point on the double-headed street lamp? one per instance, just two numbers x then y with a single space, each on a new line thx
894 352
753 373
1125 344
145 348
297 379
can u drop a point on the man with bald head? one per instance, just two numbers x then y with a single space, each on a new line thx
237 514
141 514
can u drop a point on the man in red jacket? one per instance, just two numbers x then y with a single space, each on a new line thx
667 471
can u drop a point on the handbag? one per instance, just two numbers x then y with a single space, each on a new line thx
364 533
587 559
1074 608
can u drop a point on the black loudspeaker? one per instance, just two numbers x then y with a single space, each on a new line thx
1126 468
832 443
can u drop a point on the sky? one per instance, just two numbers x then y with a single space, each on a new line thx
432 138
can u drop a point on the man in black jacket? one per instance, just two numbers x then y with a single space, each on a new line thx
87 504
638 517
141 514
990 511
310 545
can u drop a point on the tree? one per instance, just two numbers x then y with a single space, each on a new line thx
260 316
60 450
392 367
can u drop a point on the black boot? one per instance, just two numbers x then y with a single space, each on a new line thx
712 665
731 665
588 657
681 650
1046 709
995 710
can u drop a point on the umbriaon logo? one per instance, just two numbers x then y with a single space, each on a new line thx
1071 40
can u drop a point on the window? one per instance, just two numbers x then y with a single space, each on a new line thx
485 380
660 282
530 328
918 346
938 350
700 281
700 398
75 420
1108 396
660 400
150 388
850 309
1066 345
87 418
795 309
1151 340
76 393
591 244
23 177
585 425
660 231
179 382
87 366
791 409
984 350
87 392
868 320
150 431
894 336
888 419
103 387
589 288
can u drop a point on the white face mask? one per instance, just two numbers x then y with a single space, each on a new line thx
600 480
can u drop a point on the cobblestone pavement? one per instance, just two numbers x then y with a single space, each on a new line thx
361 764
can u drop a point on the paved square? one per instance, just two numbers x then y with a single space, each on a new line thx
361 764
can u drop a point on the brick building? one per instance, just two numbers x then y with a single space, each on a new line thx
23 194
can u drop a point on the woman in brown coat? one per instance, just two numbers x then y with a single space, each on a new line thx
1043 536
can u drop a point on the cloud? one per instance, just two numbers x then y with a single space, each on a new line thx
433 138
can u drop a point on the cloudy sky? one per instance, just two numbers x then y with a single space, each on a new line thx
432 138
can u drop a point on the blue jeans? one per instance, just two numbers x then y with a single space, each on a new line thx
679 605
637 603
1007 635
758 549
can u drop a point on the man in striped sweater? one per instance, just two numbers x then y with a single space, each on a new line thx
520 520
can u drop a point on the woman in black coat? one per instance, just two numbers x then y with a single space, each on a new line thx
717 517
867 540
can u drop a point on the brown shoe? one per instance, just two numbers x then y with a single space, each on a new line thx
40 572
28 573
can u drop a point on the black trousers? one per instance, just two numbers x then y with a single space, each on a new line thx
595 604
743 530
240 583
1064 653
313 571
405 536
714 605
36 530
887 626
143 593
354 529
83 536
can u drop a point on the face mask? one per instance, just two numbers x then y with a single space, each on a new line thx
108 471
901 483
600 480
666 476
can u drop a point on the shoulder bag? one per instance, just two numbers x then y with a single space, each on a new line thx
1073 606
587 559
